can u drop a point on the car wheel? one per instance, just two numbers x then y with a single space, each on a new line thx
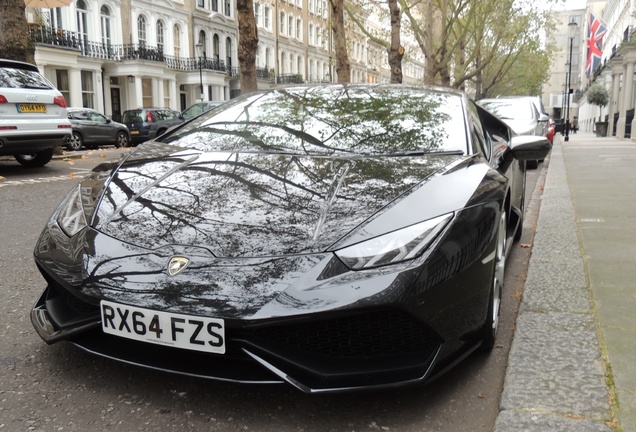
489 331
36 160
76 142
121 140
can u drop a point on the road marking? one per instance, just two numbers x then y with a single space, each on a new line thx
35 180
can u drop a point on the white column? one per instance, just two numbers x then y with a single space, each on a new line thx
613 103
138 93
157 91
160 93
174 99
628 70
75 88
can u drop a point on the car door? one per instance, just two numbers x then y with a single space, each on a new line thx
105 132
86 126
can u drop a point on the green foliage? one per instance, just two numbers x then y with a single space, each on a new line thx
597 95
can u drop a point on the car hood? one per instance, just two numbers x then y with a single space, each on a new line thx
249 204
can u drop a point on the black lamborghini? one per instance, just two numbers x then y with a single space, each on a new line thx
332 237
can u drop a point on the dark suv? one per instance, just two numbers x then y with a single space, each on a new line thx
148 123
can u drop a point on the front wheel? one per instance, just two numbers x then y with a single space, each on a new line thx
35 160
489 331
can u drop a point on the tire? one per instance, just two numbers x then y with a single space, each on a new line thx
76 142
121 140
36 160
489 331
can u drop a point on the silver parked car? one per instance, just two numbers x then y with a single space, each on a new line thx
32 114
521 114
91 128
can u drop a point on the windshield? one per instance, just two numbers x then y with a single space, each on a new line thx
509 109
375 120
22 78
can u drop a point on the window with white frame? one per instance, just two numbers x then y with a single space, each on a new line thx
104 13
55 16
82 20
281 22
267 17
141 29
310 34
228 8
176 37
201 3
214 5
299 28
160 35
166 93
290 26
310 5
88 92
257 14
318 36
216 47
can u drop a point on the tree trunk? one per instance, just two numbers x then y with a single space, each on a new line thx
396 51
15 43
343 68
429 77
247 45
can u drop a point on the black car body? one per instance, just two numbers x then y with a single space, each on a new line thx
91 128
149 123
335 238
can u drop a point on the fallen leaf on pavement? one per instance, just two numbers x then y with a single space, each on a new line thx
72 175
525 245
102 155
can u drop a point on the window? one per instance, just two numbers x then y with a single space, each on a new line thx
318 36
290 26
203 42
141 29
216 48
310 5
281 30
257 14
214 5
228 52
299 27
228 8
160 37
82 21
56 18
201 3
267 14
105 25
310 34
176 36
62 83
88 92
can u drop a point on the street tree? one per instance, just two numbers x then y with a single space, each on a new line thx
343 65
247 45
597 95
15 43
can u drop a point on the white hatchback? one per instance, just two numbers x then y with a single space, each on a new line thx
33 117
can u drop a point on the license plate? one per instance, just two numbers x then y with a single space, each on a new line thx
32 108
164 328
134 132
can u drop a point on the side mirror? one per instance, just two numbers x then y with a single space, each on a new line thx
544 117
529 147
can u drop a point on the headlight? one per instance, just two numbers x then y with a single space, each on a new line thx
71 216
397 246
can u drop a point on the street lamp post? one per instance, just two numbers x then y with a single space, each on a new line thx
199 49
572 27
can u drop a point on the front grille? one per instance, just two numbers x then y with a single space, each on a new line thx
367 335
79 306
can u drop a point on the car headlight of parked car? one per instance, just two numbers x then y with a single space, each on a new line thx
394 247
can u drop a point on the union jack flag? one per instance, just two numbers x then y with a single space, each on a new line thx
595 32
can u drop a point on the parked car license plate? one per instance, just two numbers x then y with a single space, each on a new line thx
176 330
32 108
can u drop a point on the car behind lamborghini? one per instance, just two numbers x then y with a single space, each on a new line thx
334 238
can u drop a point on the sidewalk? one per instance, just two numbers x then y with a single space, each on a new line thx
571 365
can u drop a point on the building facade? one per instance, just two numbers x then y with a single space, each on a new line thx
114 55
